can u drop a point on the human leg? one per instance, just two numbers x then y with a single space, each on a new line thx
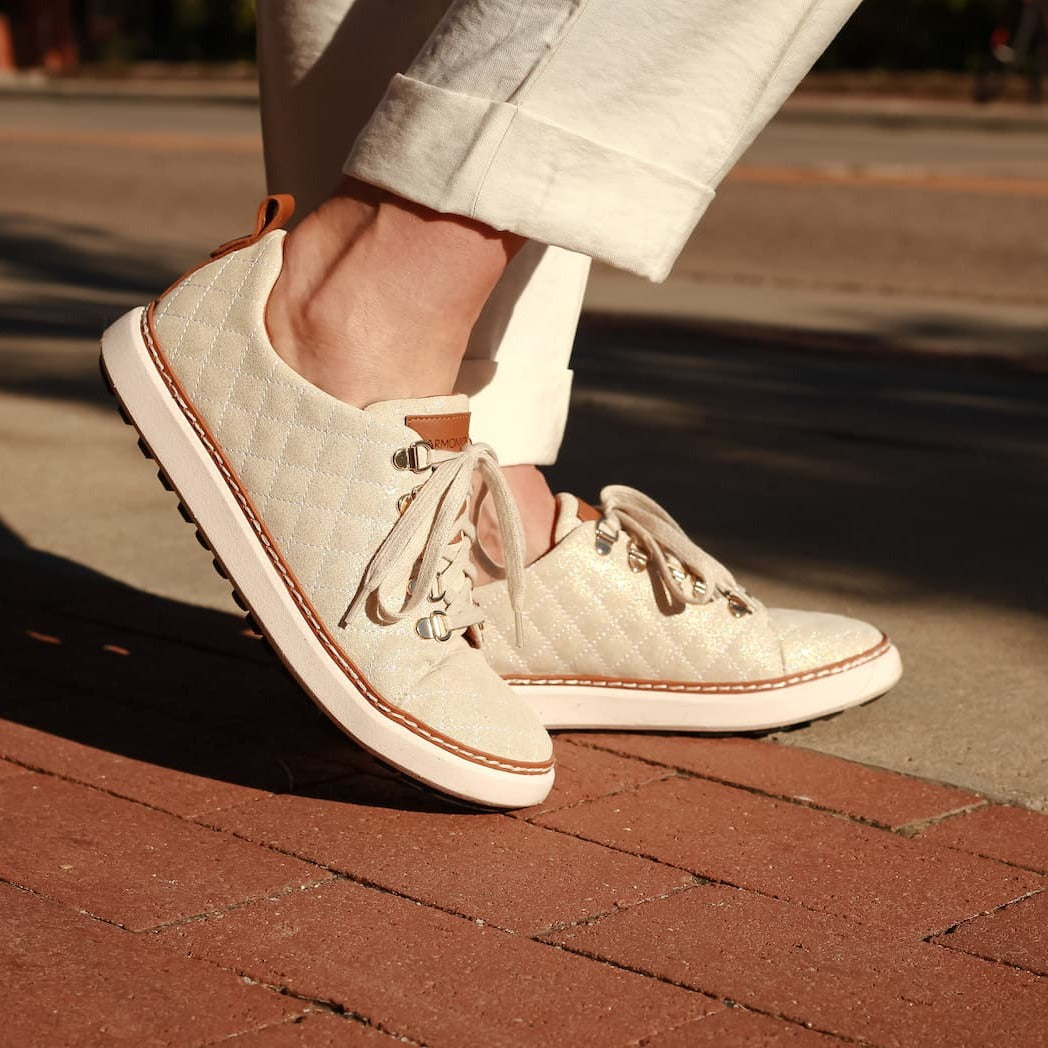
319 54
429 101
576 141
515 370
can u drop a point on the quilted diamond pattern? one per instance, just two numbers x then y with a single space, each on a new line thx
320 475
811 639
591 616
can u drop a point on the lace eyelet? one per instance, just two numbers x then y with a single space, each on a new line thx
636 558
606 538
405 500
417 457
433 627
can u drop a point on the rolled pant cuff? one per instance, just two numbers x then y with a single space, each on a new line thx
503 166
520 411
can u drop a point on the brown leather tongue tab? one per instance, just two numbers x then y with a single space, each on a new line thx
587 512
444 432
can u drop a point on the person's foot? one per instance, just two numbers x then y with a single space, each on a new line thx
344 530
629 625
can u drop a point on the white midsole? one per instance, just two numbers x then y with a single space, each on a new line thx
199 483
587 705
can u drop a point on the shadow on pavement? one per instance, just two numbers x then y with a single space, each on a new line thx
865 477
145 679
72 276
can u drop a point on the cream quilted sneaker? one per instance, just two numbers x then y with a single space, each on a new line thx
628 624
343 531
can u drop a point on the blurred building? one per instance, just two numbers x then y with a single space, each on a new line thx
58 35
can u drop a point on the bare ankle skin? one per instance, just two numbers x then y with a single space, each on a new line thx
377 296
376 302
538 510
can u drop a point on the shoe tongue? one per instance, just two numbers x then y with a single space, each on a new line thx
571 513
442 421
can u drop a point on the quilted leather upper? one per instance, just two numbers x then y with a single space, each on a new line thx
593 616
319 472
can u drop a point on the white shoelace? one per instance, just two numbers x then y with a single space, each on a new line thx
661 538
436 527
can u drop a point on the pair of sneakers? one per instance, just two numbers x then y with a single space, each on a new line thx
347 535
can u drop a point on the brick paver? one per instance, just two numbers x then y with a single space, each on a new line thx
503 871
584 773
7 769
70 980
316 1030
786 960
245 698
810 857
435 978
194 884
126 863
1011 834
207 779
738 1028
882 797
1016 935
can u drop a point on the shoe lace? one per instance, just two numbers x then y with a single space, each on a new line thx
435 533
664 544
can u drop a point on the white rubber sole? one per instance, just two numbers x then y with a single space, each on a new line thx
611 706
223 525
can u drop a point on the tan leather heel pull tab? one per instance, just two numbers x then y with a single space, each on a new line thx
273 213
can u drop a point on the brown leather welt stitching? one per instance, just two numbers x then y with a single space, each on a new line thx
414 725
727 687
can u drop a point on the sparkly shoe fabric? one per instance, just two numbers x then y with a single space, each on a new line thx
624 595
319 475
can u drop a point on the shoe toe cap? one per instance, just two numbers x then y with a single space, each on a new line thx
812 639
471 704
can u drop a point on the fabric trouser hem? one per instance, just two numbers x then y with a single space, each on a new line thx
504 166
526 428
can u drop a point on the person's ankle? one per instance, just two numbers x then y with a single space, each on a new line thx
537 506
378 296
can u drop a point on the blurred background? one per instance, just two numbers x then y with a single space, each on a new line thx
926 36
841 390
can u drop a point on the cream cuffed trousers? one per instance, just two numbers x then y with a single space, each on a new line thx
595 128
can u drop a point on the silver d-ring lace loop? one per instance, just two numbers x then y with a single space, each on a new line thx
435 533
607 536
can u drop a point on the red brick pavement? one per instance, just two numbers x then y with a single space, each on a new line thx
174 871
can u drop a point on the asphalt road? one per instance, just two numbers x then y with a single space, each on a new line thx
903 489
905 211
